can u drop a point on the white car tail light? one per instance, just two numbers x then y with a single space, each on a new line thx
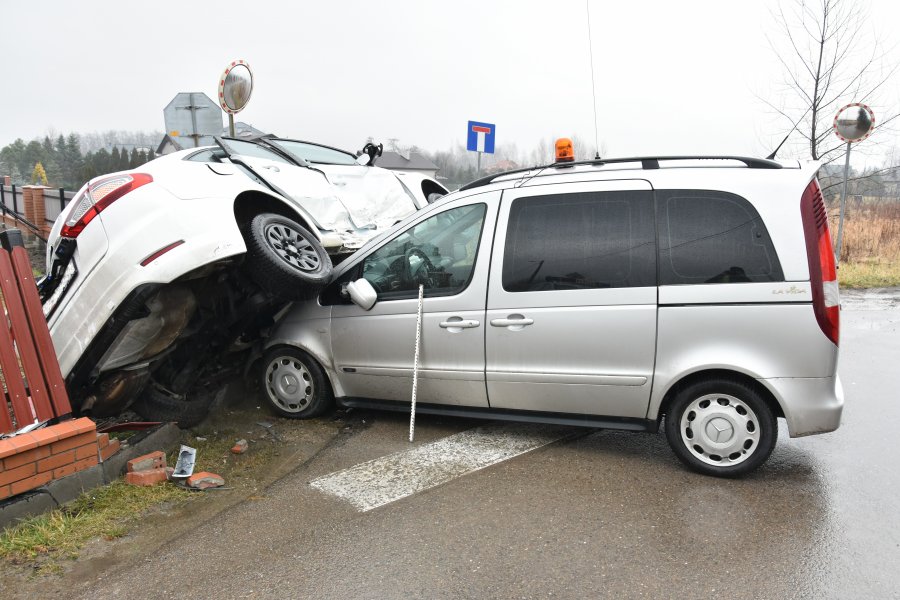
99 195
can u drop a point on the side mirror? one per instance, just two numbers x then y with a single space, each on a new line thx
362 293
363 159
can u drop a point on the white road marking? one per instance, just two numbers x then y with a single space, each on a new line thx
384 480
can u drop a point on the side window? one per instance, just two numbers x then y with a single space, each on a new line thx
713 237
580 241
438 253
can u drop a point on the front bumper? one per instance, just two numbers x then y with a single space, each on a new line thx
811 405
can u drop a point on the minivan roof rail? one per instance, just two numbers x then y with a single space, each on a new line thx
647 162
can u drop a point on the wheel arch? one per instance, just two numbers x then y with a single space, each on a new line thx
250 203
710 374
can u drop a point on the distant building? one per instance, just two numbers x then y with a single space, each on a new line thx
501 167
412 162
170 144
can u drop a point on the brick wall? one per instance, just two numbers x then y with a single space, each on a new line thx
34 459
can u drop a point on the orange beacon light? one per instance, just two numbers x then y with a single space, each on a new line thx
565 152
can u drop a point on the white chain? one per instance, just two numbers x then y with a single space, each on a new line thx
412 412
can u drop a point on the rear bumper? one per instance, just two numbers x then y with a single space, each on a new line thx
811 405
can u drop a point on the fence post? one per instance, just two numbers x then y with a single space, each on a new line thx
62 200
15 202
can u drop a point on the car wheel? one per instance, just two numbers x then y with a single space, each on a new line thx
285 259
294 384
159 404
721 428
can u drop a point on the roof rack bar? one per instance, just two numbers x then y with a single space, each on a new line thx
647 162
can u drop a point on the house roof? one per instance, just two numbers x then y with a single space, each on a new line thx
395 160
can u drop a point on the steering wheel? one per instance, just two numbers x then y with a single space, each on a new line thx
408 273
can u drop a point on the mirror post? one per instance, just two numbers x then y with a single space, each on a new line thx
231 124
840 235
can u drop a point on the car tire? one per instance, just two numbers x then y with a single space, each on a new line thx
294 384
158 404
721 427
285 259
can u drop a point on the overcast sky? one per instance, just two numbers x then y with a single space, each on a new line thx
673 77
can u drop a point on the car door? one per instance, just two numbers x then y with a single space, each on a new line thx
448 252
572 299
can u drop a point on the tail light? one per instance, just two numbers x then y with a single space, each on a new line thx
99 195
820 254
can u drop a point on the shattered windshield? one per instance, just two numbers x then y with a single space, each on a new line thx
314 153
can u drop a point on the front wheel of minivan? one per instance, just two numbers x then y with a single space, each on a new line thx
721 428
294 384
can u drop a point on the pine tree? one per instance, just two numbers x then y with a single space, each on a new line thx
135 160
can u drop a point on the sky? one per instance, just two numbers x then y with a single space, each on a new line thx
672 77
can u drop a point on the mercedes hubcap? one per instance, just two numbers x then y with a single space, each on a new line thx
291 247
289 384
720 430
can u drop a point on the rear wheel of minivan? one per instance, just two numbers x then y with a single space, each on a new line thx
721 427
294 384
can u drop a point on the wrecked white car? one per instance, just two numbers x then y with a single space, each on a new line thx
158 279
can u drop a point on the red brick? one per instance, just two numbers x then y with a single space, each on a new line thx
56 461
17 460
5 492
15 445
11 475
113 447
86 451
154 460
68 429
80 465
103 440
204 480
30 483
147 477
73 442
45 436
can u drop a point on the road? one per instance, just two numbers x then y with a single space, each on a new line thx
581 513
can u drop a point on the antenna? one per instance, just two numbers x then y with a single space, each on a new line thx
775 151
587 7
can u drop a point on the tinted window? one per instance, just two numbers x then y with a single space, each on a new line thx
713 237
580 241
438 253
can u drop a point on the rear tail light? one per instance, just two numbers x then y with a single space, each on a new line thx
97 196
820 254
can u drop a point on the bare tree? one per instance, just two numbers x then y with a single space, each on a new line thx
830 57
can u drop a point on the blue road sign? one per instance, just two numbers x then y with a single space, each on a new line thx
481 137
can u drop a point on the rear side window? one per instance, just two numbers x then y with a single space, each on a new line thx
580 241
712 237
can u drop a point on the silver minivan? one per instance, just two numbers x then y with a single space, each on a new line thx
699 293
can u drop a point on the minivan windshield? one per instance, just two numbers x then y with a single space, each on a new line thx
314 153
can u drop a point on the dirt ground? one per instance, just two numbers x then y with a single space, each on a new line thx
277 446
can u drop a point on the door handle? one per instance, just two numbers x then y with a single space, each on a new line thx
461 324
518 322
272 168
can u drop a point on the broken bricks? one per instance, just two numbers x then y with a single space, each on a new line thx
204 480
239 447
148 469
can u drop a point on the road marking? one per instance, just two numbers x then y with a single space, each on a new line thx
387 479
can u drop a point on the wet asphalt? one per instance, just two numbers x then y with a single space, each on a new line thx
601 514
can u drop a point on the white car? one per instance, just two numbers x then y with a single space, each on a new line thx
157 278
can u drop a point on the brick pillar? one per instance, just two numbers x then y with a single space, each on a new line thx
27 193
39 208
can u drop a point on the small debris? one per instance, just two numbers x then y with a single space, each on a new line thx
169 472
184 466
205 480
266 424
199 439
240 447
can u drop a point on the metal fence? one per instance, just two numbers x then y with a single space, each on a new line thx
12 204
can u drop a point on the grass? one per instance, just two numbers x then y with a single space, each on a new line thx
105 512
870 251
